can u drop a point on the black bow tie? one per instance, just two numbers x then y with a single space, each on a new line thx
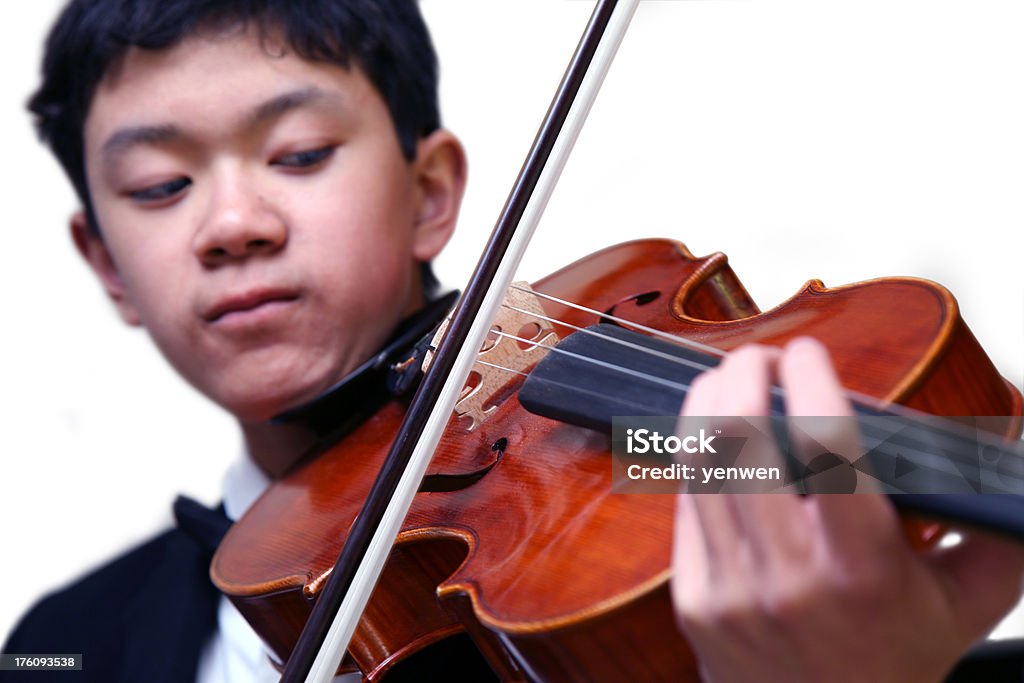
205 526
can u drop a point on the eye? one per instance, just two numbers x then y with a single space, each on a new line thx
157 193
304 159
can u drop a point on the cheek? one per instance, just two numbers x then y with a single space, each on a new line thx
367 286
166 316
363 234
150 282
370 198
158 286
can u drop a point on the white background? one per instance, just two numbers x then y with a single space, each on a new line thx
838 140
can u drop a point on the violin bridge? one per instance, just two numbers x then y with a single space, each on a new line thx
519 337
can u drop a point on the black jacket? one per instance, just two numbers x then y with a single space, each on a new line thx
146 616
143 617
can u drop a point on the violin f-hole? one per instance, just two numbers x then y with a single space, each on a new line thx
612 314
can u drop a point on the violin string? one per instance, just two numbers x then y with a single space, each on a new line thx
621 342
501 367
923 458
641 408
653 379
920 457
696 346
612 366
850 394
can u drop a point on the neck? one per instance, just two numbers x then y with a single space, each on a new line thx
276 447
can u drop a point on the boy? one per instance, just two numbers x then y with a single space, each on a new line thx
290 220
293 220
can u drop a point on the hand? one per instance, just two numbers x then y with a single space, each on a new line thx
778 587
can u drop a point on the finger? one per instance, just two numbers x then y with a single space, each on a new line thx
739 382
852 522
819 415
709 521
768 525
698 593
726 546
689 556
746 375
737 388
777 524
810 381
701 396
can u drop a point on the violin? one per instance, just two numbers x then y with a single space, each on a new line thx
516 537
550 599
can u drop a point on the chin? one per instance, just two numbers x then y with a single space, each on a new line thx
261 406
252 412
256 392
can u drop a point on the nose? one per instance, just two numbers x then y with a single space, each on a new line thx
239 222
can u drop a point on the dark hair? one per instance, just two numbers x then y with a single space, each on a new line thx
387 39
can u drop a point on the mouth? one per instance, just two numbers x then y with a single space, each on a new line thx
248 303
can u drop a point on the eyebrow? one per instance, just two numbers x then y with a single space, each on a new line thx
125 138
293 99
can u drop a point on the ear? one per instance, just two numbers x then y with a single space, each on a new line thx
440 169
94 250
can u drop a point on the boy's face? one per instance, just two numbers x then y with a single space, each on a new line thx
258 217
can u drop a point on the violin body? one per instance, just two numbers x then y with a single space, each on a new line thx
516 537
